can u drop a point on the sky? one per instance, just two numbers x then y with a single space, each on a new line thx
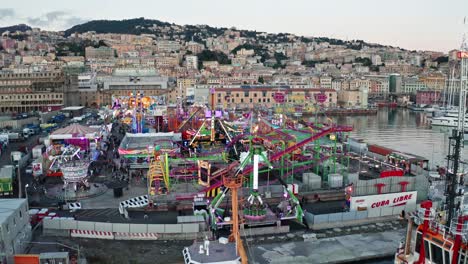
411 24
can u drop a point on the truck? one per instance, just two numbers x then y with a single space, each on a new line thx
48 127
37 151
15 137
4 139
7 175
28 132
35 128
59 118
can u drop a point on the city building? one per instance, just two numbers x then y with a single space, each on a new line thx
125 83
376 60
191 62
15 228
353 98
427 97
395 83
434 81
99 53
88 93
264 96
411 85
24 92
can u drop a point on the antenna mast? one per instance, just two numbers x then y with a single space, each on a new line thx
454 179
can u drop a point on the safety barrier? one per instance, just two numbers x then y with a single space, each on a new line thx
137 202
191 229
135 236
91 234
74 206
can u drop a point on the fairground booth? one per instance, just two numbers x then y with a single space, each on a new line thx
136 149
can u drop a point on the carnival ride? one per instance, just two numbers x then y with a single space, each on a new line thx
71 166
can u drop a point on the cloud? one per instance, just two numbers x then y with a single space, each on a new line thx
6 13
55 20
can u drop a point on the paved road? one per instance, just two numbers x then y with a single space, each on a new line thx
5 159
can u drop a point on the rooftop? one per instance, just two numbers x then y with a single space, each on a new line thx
8 206
142 141
73 108
219 253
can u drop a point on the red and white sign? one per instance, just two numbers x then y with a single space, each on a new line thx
462 54
383 200
37 169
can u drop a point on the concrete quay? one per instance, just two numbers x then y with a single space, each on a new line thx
341 249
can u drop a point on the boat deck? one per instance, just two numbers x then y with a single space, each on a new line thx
219 253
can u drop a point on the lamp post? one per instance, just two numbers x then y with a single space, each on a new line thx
26 191
20 184
135 80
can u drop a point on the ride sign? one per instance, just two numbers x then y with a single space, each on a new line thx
320 97
279 97
370 202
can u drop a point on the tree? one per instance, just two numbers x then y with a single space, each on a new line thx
364 61
261 80
208 55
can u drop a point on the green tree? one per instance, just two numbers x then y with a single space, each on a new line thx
261 80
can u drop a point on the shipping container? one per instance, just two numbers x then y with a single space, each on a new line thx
312 181
335 180
383 151
26 259
37 151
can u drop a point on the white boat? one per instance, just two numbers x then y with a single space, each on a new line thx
447 121
430 109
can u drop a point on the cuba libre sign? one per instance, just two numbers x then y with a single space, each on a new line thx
383 200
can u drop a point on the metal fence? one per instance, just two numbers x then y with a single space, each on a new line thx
354 216
187 230
389 185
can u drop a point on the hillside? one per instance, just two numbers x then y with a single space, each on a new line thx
196 33
20 27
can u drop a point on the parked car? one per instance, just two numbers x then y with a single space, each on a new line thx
29 169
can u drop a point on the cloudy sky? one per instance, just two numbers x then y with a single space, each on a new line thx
411 24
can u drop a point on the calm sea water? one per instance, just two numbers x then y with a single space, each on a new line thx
405 131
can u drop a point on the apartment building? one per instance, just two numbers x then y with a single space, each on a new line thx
434 81
264 96
15 230
99 53
24 92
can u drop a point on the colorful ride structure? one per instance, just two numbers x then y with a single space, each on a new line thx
72 167
158 173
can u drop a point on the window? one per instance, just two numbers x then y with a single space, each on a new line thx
264 94
426 249
251 100
437 255
255 94
219 100
418 243
237 95
246 94
242 100
260 100
20 214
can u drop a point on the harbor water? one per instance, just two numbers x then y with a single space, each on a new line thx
403 130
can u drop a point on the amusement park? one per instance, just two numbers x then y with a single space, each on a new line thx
230 170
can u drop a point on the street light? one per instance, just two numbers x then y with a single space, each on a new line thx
26 191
